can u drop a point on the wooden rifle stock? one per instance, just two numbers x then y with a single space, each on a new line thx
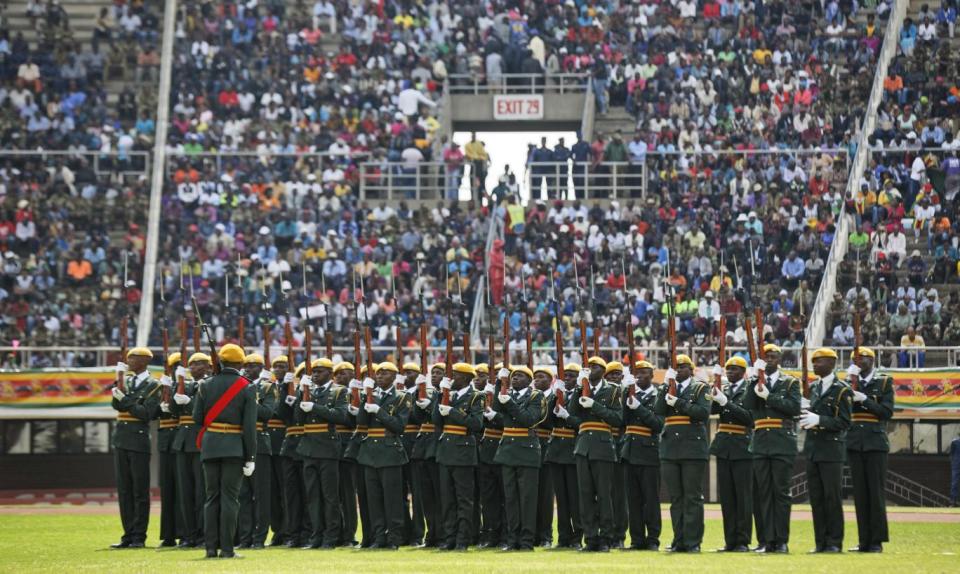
505 385
632 350
196 334
672 339
165 393
307 367
758 316
123 351
585 390
561 395
241 333
370 373
491 371
181 383
722 351
804 373
291 364
422 387
467 355
445 395
266 346
855 379
328 336
396 335
355 392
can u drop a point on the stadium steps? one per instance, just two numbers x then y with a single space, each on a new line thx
617 118
82 15
899 489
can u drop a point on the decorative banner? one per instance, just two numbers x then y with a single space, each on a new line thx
518 107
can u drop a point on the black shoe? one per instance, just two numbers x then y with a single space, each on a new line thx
693 549
652 546
293 543
168 544
257 546
739 548
779 549
484 545
759 549
230 555
676 548
603 548
243 545
574 546
816 550
137 545
446 547
724 549
211 554
121 544
277 541
830 550
460 548
546 544
874 549
185 544
524 548
505 548
311 546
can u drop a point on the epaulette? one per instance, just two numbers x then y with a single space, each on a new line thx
698 387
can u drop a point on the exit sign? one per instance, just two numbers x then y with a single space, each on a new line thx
518 107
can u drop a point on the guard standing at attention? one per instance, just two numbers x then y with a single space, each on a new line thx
191 491
641 453
171 521
489 473
563 464
543 382
255 490
277 429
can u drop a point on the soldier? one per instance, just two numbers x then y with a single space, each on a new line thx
563 465
255 491
773 446
826 420
684 451
277 429
595 416
426 473
731 447
458 423
321 450
519 411
413 512
385 414
228 447
350 486
190 486
867 448
171 522
614 376
543 382
297 524
489 473
136 405
640 452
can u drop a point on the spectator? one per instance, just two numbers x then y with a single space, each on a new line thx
912 353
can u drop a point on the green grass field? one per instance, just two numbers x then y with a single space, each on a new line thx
72 543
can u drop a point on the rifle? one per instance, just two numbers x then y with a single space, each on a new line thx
722 351
631 345
491 348
327 335
526 318
206 331
165 393
804 374
366 337
585 391
124 337
422 390
195 320
504 387
240 330
558 335
445 395
396 319
265 310
288 335
181 382
463 322
307 350
758 317
671 330
593 304
855 379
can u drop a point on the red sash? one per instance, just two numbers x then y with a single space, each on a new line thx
221 404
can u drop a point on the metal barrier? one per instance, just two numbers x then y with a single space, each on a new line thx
395 181
477 84
131 164
265 159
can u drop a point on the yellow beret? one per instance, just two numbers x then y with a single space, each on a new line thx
736 361
573 367
465 368
254 358
362 371
387 366
322 362
597 361
771 348
614 366
866 352
199 357
498 366
280 359
298 372
173 359
824 352
522 369
482 368
441 366
642 365
231 353
140 352
342 365
543 369
411 366
685 360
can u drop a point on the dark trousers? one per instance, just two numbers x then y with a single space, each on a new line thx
192 494
321 484
490 482
296 527
222 478
545 506
456 501
360 483
772 499
171 524
384 498
569 530
735 487
428 481
684 480
954 483
869 473
596 501
825 480
255 504
412 529
277 521
520 502
619 508
643 498
133 492
348 503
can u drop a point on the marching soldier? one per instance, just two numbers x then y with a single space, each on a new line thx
297 524
135 406
543 382
867 448
490 475
563 465
773 446
413 512
826 420
382 455
640 452
731 447
595 416
458 423
519 411
255 491
171 522
320 447
278 430
350 486
228 447
614 376
426 473
684 451
191 489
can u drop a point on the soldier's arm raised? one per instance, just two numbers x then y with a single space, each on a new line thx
144 410
882 404
611 413
660 407
527 416
337 412
396 421
789 402
470 417
697 408
839 419
268 405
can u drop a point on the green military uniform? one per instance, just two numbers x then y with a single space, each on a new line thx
277 430
562 463
867 448
353 491
684 452
426 473
640 452
191 491
382 457
171 522
731 447
228 443
825 450
297 526
490 483
545 486
596 456
321 449
131 454
414 522
618 489
519 458
255 490
456 461
773 446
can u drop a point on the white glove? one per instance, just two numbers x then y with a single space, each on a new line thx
118 394
629 379
670 375
671 400
804 403
166 381
489 414
444 409
423 404
632 403
558 386
248 468
421 379
355 384
809 420
290 399
719 397
446 383
399 380
288 378
353 410
305 383
306 406
489 388
859 397
583 376
165 407
751 372
368 383
121 368
181 399
372 408
717 371
181 372
504 399
503 373
760 365
586 402
265 376
853 370
762 391
561 412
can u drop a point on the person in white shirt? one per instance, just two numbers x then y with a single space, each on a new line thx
409 100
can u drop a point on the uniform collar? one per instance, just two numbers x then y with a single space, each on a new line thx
461 392
870 377
523 393
385 392
774 376
649 390
826 382
137 380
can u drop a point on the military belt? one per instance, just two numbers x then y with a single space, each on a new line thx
543 433
677 420
732 428
225 428
517 432
187 420
378 433
455 429
594 426
769 424
639 430
316 428
276 424
343 429
563 433
361 429
411 429
865 418
294 430
128 418
492 433
427 427
168 423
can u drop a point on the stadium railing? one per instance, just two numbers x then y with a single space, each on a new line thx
396 181
476 84
135 163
